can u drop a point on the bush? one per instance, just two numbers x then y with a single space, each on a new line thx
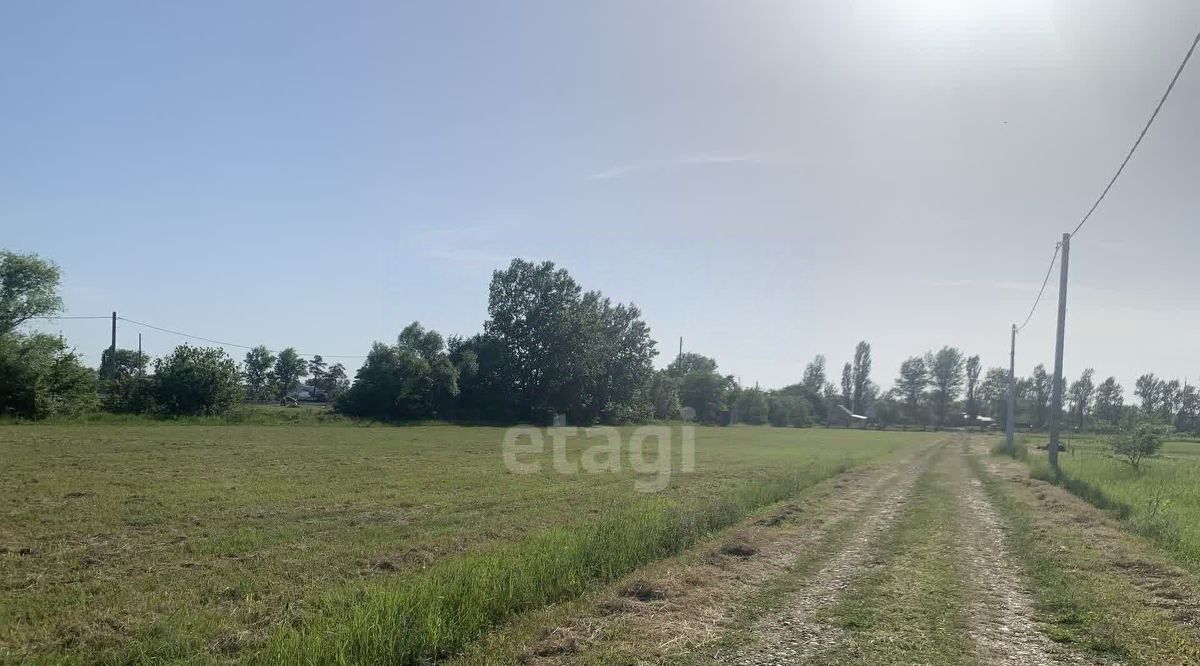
1141 441
789 410
40 377
413 379
197 381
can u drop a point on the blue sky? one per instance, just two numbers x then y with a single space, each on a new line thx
770 180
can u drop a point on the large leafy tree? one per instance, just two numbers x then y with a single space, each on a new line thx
334 381
1146 388
1082 390
1169 398
257 367
973 369
1040 391
753 406
813 384
848 386
194 381
993 392
563 351
317 367
41 377
412 379
701 388
664 396
125 388
946 380
1110 399
1189 409
290 368
28 289
861 372
910 384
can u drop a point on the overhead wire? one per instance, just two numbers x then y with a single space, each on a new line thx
1045 281
225 343
1141 135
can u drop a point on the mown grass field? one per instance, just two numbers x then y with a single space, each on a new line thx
1161 500
197 543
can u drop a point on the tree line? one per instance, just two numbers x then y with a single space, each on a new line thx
548 348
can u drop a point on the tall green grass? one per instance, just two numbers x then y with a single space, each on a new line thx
1160 501
306 415
428 615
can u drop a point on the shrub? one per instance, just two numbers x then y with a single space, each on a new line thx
1141 441
40 377
789 410
196 381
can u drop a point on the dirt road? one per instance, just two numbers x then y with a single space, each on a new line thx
949 556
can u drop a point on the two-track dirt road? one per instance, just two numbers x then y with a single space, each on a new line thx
939 558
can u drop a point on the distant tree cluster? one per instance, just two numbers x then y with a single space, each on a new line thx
547 349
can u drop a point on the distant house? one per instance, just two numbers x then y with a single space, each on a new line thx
964 420
849 418
308 393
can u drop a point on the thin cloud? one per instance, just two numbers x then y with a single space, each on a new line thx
633 168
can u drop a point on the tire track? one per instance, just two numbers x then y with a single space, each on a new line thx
698 598
793 634
999 607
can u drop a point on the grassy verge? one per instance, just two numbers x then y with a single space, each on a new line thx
1019 451
1079 599
1160 501
909 610
443 610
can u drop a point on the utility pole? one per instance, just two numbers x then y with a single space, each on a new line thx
112 359
680 349
1056 390
141 363
1012 366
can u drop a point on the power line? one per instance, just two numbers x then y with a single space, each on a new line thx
1140 136
73 317
1045 280
222 342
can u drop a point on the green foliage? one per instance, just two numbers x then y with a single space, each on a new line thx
1081 393
861 376
289 369
946 379
40 377
1109 401
430 615
789 410
1138 442
752 406
914 377
28 289
701 388
257 371
196 381
1040 387
556 350
973 368
1146 388
124 386
993 394
664 396
413 379
1019 450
